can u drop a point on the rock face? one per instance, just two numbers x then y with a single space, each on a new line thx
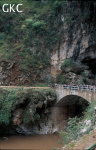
79 43
29 114
11 74
17 116
81 48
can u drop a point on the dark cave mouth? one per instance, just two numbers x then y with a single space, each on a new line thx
91 63
80 107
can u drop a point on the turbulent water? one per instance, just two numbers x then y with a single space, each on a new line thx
36 142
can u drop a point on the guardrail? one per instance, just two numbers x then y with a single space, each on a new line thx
77 87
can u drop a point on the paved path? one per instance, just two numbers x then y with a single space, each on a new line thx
24 87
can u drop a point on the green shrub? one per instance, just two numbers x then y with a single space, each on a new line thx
85 81
71 131
57 6
7 101
83 74
60 79
37 61
76 124
38 72
63 81
90 110
68 62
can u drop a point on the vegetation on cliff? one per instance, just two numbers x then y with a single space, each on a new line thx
79 126
27 38
27 100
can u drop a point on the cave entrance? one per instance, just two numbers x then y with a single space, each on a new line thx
91 63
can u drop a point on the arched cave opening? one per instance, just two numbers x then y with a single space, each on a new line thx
24 104
91 63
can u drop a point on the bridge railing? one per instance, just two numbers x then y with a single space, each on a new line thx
78 87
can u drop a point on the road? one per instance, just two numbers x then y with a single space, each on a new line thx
24 87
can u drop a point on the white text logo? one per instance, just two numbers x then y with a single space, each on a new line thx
11 7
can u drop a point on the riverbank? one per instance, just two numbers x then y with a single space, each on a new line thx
83 143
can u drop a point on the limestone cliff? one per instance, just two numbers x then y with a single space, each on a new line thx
65 29
78 42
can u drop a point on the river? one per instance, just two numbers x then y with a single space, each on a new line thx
33 142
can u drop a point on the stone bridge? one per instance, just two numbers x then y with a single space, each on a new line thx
70 102
68 95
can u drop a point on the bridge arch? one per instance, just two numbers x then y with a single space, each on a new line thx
68 107
85 94
70 100
75 102
70 103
